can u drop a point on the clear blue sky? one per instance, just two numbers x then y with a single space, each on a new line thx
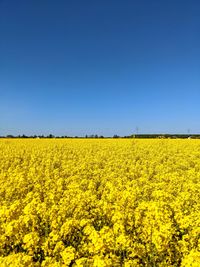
102 66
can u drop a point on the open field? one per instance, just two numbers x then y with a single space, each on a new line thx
92 202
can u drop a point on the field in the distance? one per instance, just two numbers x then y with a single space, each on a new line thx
90 202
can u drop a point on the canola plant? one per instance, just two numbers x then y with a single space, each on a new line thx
92 202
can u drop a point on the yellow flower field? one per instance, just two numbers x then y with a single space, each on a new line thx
99 202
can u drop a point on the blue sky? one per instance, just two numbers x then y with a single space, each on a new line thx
99 67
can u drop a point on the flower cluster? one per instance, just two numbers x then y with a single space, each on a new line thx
99 202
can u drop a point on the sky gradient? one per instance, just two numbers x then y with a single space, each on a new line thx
99 67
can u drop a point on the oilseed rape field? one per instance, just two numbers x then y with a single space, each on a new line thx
99 202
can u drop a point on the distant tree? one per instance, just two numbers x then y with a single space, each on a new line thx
96 136
115 136
50 136
10 136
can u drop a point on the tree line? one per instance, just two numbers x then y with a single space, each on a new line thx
160 136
